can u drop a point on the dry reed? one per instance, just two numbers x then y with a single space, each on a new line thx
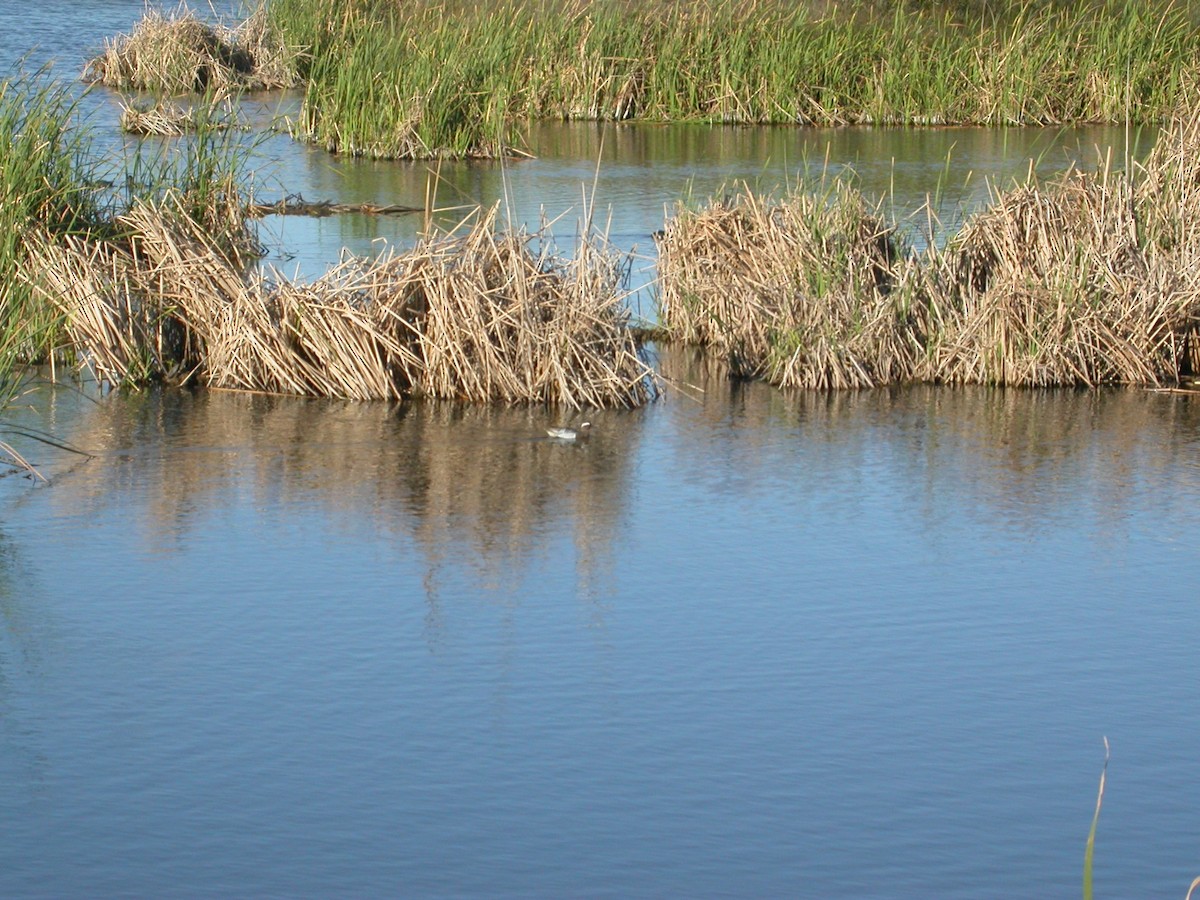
165 119
178 54
1091 279
502 322
472 315
806 291
1053 285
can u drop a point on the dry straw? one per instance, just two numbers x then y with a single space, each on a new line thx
472 315
806 291
166 119
1058 285
178 54
1091 279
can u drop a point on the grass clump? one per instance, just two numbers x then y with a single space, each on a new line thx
1091 279
162 118
807 291
44 184
178 53
450 78
56 195
473 315
152 276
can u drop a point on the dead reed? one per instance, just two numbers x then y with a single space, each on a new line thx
806 291
1091 279
505 320
178 54
1055 285
165 119
472 315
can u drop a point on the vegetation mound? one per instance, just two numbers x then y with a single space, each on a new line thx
1093 278
178 54
472 315
807 291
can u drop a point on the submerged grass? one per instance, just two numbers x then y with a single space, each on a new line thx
451 78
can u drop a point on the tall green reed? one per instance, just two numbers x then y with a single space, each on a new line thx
44 183
455 78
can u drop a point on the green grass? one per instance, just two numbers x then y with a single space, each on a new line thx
1089 852
53 185
420 79
43 184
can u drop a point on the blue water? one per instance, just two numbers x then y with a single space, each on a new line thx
740 643
746 645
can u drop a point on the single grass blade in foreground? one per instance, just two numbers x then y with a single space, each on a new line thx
1091 840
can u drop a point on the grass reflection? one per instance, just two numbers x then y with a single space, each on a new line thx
453 479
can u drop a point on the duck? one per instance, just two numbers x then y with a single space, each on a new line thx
569 434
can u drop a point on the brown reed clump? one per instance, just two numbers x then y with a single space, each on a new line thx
1054 286
115 331
180 54
470 316
165 119
501 322
806 292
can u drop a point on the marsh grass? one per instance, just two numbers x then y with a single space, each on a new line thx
177 53
806 291
1050 285
475 315
57 198
1092 278
215 111
43 183
453 78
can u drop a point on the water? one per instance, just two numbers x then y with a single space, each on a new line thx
740 643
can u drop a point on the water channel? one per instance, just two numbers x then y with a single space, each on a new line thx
741 642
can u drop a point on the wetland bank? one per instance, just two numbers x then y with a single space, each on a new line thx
744 640
1012 298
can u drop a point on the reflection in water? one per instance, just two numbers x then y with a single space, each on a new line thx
1022 458
434 648
455 479
486 482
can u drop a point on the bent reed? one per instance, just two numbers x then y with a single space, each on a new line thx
474 315
178 53
1091 279
809 291
154 277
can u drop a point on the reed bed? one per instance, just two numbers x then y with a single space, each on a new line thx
807 291
44 183
422 79
471 315
1091 279
162 118
1051 286
177 53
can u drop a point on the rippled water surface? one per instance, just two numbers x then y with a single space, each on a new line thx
739 643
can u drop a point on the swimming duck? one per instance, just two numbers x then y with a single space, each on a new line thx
569 434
